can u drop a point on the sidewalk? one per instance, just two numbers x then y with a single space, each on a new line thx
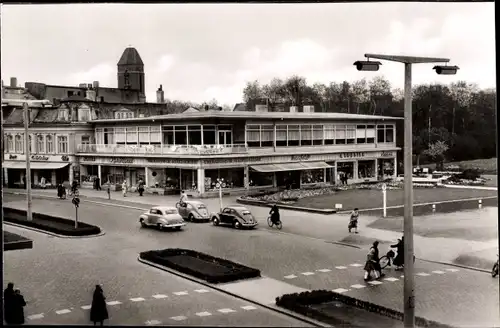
470 187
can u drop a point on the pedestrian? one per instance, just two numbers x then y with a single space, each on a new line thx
353 222
18 304
140 187
8 301
43 182
24 182
98 310
373 262
184 197
124 188
98 183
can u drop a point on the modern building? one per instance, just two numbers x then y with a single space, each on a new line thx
250 151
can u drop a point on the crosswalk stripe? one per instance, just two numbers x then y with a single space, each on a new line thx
152 322
113 302
292 276
86 307
36 316
138 299
63 311
249 307
181 293
179 318
159 296
201 291
340 290
203 314
226 310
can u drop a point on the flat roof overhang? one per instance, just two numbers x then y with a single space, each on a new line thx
13 242
34 165
290 166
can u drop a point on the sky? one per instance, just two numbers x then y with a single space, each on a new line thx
199 52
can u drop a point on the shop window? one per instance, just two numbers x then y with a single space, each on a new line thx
19 144
180 135
370 134
346 169
281 131
366 169
317 134
351 134
361 134
233 178
293 135
380 133
209 135
194 134
329 134
62 144
260 179
340 134
10 143
306 135
40 144
49 144
312 176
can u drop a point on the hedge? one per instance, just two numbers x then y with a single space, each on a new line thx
50 223
211 269
300 303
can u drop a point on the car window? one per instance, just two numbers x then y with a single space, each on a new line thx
159 212
227 210
171 211
202 206
152 211
245 212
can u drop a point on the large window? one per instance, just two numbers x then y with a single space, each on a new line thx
209 135
49 144
313 176
62 144
168 135
155 135
132 135
144 135
317 134
267 135
253 135
351 134
281 132
194 134
40 144
385 133
19 144
233 178
305 135
366 169
260 179
120 136
370 134
109 136
180 135
10 143
293 135
329 134
361 134
340 134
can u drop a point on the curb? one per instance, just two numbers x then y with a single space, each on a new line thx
102 233
201 282
18 245
284 206
457 265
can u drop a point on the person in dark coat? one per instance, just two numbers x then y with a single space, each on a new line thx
98 310
18 304
8 301
399 260
98 183
24 182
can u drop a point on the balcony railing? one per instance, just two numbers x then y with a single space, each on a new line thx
163 150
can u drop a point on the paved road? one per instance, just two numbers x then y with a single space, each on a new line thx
314 263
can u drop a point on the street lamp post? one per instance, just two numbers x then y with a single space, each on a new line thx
29 215
409 282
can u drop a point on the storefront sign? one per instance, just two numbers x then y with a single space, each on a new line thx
171 161
122 160
12 156
39 158
300 157
88 159
387 154
231 160
352 155
65 158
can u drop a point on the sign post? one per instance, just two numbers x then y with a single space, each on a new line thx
27 149
76 202
220 182
384 198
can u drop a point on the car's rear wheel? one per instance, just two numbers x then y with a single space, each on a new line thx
191 217
178 228
215 221
143 224
160 227
237 224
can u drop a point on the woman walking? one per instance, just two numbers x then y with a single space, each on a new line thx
98 310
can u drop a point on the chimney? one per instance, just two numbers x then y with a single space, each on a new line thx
96 84
82 85
160 95
294 109
13 82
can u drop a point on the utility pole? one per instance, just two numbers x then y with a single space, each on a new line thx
26 109
429 127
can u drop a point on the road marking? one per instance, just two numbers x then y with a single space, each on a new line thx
152 322
307 273
375 282
179 318
201 291
402 276
181 293
36 316
138 299
324 270
86 307
63 311
355 265
249 307
203 314
340 267
158 296
438 272
358 286
452 270
340 290
292 276
226 310
391 279
423 274
113 302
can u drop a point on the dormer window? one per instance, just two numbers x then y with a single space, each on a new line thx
63 114
84 114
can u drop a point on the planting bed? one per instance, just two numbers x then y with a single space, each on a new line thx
334 308
12 241
211 269
50 223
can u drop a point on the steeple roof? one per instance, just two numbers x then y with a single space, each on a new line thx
130 57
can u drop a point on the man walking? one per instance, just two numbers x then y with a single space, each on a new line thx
8 303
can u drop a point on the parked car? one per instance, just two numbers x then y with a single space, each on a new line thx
236 215
162 217
193 210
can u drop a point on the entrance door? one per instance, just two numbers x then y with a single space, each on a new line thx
225 138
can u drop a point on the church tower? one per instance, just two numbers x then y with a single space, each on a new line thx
131 72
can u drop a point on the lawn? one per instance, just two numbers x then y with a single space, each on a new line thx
364 198
487 165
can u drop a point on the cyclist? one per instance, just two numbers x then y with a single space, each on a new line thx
372 262
399 260
184 198
353 222
275 214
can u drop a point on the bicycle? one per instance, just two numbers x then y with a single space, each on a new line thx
388 259
72 193
278 225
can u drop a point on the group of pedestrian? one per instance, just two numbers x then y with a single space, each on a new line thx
343 178
14 304
372 264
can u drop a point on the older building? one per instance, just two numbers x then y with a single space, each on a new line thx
251 151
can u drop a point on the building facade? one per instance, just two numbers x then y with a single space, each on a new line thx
250 151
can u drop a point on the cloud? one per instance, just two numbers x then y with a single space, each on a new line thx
165 63
104 73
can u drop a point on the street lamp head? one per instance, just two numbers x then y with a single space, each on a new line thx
446 70
366 65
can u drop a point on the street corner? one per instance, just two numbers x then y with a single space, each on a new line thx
363 241
483 260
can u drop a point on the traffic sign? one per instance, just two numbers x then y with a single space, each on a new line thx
384 187
217 184
223 185
76 201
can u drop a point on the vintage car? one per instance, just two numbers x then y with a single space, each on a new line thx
162 217
193 210
236 215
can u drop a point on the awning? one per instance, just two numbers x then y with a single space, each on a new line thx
290 166
34 165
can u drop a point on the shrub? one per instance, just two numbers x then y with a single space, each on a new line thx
50 223
200 265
